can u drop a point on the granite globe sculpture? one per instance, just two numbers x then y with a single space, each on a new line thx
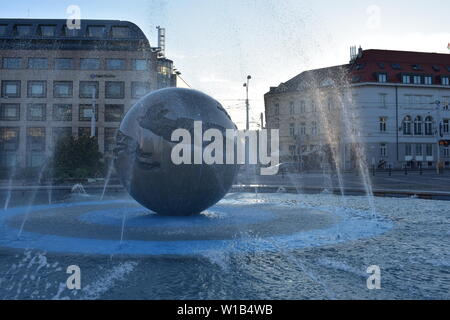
143 155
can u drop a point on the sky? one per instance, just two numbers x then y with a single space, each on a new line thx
217 43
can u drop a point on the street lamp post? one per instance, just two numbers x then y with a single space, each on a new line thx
247 102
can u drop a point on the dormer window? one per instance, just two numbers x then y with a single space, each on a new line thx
445 81
382 77
436 68
3 29
417 67
47 31
96 31
359 66
417 79
381 65
406 79
396 66
23 30
120 32
428 80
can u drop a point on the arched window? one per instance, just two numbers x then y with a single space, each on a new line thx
314 128
429 126
418 124
407 125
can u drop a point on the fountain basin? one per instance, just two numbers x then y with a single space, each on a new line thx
239 223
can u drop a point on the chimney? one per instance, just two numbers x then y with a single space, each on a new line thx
360 52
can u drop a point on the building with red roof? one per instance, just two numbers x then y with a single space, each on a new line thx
385 107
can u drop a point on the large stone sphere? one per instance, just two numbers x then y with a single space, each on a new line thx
144 148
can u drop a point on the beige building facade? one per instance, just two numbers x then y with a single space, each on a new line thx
53 80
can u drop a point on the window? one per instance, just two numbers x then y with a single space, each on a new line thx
428 80
64 64
407 125
417 79
292 150
381 65
445 103
12 63
36 112
110 139
38 63
418 123
36 146
60 133
383 150
86 112
292 129
292 108
330 103
302 107
115 90
382 77
62 89
9 144
115 64
429 126
446 152
47 31
139 89
36 139
120 32
10 112
396 66
314 129
114 112
96 31
87 131
3 30
436 68
303 128
383 124
23 30
11 89
37 89
406 79
277 109
446 126
62 112
70 32
383 99
419 150
408 150
89 89
90 64
9 139
429 150
445 81
140 65
417 67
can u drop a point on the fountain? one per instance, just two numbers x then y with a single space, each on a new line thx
144 154
223 245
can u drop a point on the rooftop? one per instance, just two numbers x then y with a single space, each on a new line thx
369 64
55 34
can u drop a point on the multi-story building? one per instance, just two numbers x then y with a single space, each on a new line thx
54 79
390 108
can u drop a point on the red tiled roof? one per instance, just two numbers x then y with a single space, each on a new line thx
366 67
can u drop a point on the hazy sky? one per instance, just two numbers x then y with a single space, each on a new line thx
216 43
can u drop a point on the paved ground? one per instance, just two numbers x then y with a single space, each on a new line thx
428 181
